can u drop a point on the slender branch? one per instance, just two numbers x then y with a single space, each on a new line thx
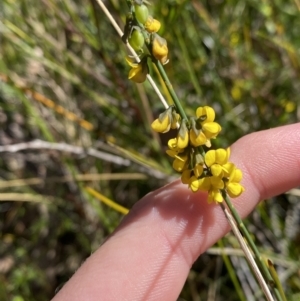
26 197
63 147
171 90
251 243
77 150
248 254
77 177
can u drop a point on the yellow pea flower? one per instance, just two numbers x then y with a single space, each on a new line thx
161 125
215 195
166 120
211 129
186 176
234 189
219 156
180 163
173 150
198 170
197 140
216 160
206 113
206 116
191 177
194 184
234 176
205 184
183 136
160 49
217 182
138 72
183 142
152 25
172 144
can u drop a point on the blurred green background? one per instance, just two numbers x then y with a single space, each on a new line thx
64 81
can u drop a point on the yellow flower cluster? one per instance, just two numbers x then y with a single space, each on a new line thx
215 174
141 28
211 172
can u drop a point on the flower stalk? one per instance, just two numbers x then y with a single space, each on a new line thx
171 90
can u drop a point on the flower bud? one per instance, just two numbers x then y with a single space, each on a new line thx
139 74
175 119
160 49
183 136
136 40
141 13
163 123
152 25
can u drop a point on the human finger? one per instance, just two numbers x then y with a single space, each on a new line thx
150 254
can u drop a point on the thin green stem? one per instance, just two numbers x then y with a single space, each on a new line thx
251 243
276 279
170 89
248 254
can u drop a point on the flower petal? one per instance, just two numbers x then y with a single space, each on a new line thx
183 142
217 170
194 184
161 126
210 114
206 114
197 140
138 72
152 25
172 153
186 176
160 48
172 143
210 158
204 184
211 129
236 176
222 156
235 189
215 195
198 170
131 62
228 169
217 182
180 163
200 111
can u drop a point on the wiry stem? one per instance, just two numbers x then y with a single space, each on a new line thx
171 90
248 254
250 241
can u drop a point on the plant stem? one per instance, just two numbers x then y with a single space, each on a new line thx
250 241
247 253
276 279
170 89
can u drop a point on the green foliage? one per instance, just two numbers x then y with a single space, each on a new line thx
240 57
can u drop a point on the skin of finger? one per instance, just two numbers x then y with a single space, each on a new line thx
149 255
